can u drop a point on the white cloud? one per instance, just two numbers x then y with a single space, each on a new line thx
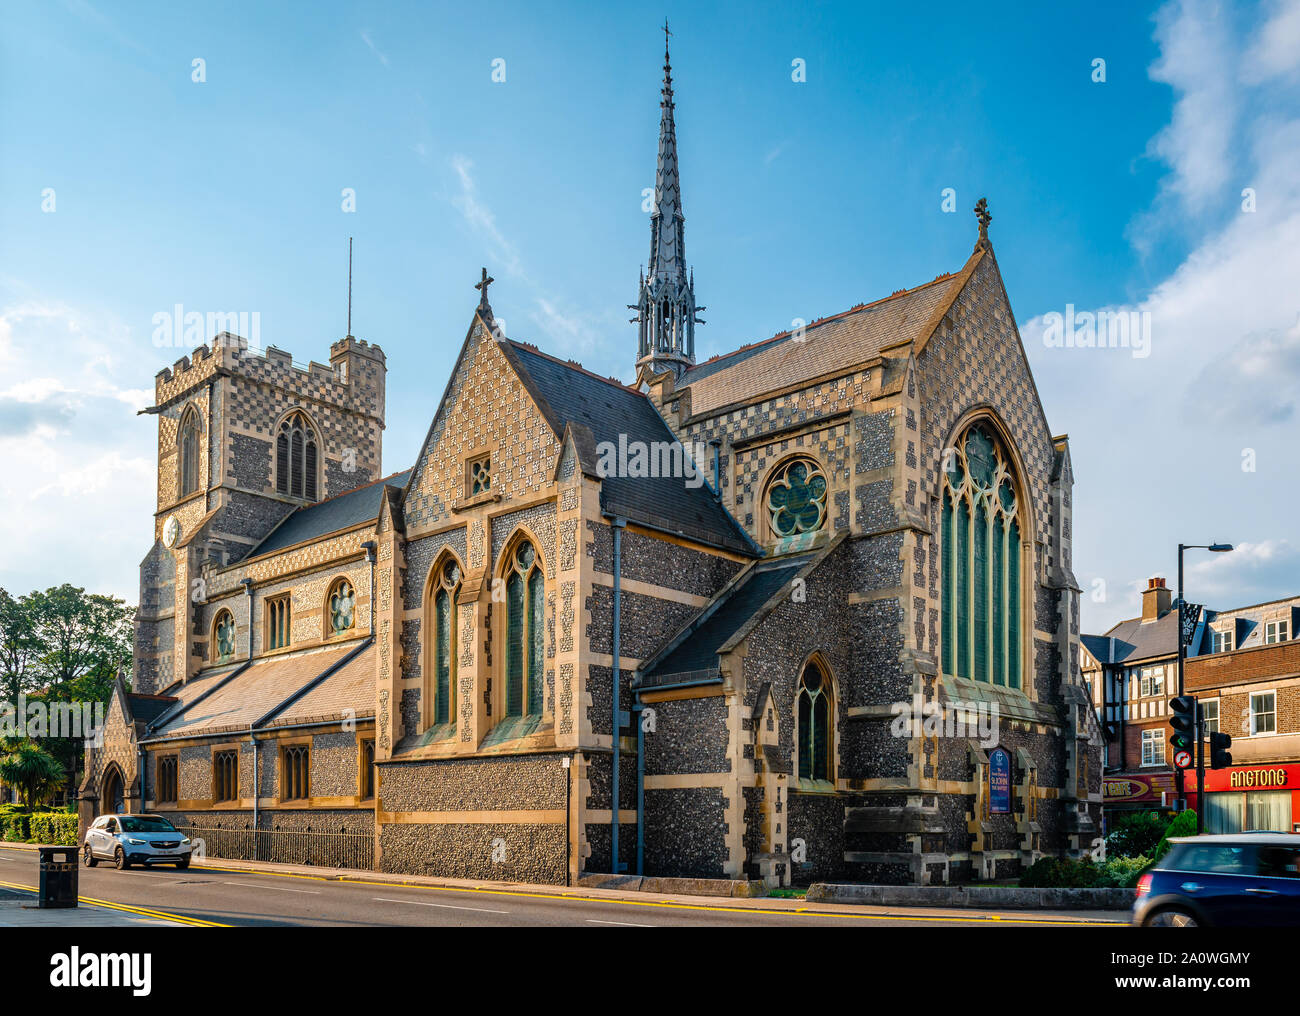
78 478
1275 50
1195 61
1196 442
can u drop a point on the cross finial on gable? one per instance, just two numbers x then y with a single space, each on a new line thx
482 287
982 214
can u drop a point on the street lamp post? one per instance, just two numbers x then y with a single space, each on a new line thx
1216 548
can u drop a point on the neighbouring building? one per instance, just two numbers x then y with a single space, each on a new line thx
802 598
1243 665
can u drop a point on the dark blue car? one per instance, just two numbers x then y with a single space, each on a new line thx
1229 880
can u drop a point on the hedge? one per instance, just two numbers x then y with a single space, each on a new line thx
54 827
57 828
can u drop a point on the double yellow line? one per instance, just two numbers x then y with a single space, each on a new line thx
160 915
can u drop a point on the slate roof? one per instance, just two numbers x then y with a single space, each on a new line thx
350 688
256 693
722 618
1135 640
609 409
147 708
831 345
343 511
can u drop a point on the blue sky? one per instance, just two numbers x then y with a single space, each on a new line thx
801 199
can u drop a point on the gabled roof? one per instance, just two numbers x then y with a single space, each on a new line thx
1135 640
611 411
343 511
271 688
828 346
698 645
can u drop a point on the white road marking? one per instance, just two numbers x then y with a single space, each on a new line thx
277 888
621 924
444 906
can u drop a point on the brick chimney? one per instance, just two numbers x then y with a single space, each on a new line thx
1156 600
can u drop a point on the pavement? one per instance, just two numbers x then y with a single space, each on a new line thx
216 892
18 909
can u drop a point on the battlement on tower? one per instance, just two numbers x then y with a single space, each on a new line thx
354 379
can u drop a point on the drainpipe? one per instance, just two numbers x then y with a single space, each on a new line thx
247 583
640 782
369 548
618 525
716 445
248 592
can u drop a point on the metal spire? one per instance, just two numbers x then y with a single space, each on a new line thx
349 333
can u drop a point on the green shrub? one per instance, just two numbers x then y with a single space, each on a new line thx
1120 872
14 827
1184 824
1136 835
56 828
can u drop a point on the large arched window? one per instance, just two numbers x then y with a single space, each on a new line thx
223 637
525 630
796 498
444 586
815 717
188 438
295 458
981 546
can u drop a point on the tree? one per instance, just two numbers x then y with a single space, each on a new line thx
82 639
29 767
80 633
19 647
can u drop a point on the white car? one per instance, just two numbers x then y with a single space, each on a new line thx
135 839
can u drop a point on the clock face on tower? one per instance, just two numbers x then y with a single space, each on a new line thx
171 531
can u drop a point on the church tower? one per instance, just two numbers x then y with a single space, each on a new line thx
666 305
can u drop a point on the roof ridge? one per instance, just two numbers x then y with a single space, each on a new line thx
574 365
944 277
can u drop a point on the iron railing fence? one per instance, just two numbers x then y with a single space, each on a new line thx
285 846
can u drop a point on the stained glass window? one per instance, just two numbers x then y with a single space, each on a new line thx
814 723
342 606
525 632
446 584
980 544
796 498
224 636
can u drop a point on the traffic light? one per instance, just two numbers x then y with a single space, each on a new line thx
1219 745
1183 721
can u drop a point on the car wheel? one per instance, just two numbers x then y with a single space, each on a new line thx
183 864
119 859
1171 917
88 856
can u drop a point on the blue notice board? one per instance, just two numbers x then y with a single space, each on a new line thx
1000 782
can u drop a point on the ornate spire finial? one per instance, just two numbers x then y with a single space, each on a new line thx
482 286
982 214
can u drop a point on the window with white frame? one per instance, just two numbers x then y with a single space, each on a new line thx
1263 713
1153 747
1153 681
1210 710
1276 631
1223 641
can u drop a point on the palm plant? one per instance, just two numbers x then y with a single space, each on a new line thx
29 767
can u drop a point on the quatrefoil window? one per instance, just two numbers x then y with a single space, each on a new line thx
796 498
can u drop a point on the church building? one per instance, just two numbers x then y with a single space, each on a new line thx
800 612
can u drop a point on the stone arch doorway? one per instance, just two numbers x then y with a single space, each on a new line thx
112 799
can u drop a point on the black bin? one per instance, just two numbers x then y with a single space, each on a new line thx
58 877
